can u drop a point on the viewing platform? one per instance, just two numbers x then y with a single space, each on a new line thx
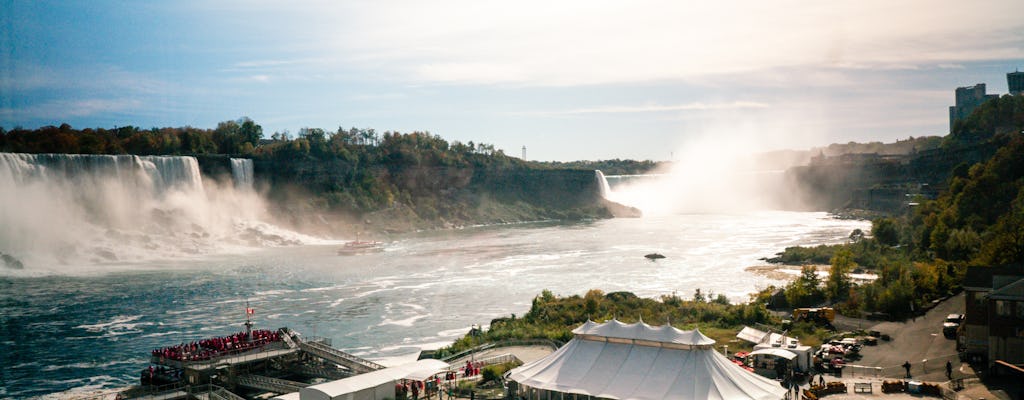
287 361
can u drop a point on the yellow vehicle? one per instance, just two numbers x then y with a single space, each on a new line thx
823 314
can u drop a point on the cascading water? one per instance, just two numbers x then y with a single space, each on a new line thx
242 173
602 184
66 209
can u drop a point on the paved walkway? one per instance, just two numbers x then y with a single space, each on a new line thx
525 354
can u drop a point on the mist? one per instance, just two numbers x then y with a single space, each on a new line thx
714 173
61 212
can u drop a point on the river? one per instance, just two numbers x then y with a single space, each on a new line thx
71 331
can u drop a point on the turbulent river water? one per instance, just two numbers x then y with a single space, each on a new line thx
125 254
67 331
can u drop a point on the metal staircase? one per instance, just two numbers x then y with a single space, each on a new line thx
339 357
270 384
319 372
215 392
286 336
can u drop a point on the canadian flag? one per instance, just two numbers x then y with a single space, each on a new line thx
250 311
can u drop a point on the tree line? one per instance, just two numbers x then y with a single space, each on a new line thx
353 171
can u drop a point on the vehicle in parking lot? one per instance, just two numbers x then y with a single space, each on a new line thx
951 324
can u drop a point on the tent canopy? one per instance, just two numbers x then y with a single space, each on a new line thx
638 369
641 331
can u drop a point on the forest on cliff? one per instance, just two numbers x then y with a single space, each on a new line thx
921 254
402 181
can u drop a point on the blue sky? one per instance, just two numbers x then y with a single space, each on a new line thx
569 79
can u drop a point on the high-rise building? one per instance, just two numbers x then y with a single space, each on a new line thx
1015 81
967 99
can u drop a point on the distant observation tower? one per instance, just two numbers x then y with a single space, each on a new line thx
1015 82
524 153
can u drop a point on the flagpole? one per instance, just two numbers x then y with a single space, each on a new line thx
248 322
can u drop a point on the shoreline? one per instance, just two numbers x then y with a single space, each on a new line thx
786 272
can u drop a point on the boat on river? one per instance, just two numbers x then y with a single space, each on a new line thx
360 247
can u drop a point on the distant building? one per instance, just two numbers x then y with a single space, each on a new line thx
993 329
967 99
1015 81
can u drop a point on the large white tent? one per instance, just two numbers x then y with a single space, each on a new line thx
615 360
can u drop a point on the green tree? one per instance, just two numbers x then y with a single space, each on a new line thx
806 289
886 231
838 284
250 131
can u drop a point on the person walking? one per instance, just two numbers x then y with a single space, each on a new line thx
949 370
906 366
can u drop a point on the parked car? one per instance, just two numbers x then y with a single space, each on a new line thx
952 323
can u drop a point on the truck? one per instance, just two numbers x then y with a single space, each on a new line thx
821 315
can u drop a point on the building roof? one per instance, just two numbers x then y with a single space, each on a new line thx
1013 291
417 370
775 351
760 337
980 278
643 362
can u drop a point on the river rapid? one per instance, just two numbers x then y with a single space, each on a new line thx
66 331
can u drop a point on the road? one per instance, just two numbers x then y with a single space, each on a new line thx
916 340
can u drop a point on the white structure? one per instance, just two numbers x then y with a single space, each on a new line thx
775 345
614 360
379 384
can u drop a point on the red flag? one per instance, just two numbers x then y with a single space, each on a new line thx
250 311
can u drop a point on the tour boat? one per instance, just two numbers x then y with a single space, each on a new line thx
360 246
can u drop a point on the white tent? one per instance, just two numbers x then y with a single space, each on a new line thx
374 385
615 360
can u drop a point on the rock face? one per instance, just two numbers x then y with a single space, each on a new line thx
619 210
881 183
9 261
422 197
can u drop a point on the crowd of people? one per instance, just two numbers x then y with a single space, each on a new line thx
472 369
206 349
160 375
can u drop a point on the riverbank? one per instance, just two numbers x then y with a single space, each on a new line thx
790 272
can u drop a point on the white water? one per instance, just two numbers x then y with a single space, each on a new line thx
65 213
242 172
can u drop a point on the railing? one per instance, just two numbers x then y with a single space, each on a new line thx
286 336
155 392
498 359
329 353
321 372
245 354
214 392
898 371
270 384
503 343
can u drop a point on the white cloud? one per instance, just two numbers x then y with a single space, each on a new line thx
604 42
58 109
652 108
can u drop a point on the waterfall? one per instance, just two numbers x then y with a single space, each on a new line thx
602 184
72 209
241 171
86 173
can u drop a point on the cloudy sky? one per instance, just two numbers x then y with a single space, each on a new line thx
567 79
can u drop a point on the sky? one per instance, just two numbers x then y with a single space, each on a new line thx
569 80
